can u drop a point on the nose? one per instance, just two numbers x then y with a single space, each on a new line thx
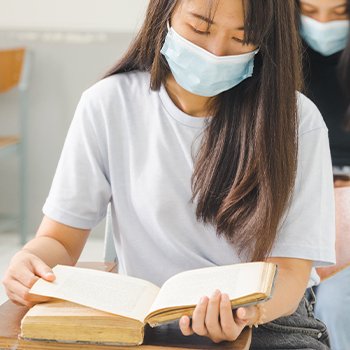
217 47
323 17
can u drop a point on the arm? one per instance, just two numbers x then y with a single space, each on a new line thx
291 283
53 244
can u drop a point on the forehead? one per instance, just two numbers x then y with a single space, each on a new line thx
222 12
324 4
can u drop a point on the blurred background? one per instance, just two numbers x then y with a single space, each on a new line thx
73 43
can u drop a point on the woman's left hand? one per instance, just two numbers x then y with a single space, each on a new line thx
213 318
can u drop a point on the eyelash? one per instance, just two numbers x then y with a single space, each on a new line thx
341 13
199 31
207 33
309 12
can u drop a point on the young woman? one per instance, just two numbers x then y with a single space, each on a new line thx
208 157
325 29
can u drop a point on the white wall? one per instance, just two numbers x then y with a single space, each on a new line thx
74 43
62 70
122 16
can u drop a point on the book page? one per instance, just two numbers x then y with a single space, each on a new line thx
109 292
186 288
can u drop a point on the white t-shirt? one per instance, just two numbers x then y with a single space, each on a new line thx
131 146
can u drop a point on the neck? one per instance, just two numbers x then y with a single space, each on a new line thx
191 104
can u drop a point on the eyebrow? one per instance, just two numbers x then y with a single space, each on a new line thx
305 3
341 5
208 20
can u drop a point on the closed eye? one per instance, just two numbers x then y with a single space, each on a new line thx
341 12
199 31
238 40
307 9
309 12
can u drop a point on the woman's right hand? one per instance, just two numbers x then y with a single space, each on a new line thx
54 243
24 270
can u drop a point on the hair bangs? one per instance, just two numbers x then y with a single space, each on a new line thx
211 11
258 20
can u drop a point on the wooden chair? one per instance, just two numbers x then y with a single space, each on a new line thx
14 73
342 242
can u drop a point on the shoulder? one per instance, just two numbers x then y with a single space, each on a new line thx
114 100
118 88
310 118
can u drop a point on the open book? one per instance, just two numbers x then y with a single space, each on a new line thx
111 308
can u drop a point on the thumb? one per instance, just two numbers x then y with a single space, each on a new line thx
43 271
246 313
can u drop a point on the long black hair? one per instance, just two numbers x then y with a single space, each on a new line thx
246 165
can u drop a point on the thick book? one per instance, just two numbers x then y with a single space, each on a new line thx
97 306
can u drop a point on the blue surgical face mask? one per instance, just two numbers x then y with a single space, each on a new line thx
325 38
202 73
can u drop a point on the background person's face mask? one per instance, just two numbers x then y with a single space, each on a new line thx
325 38
202 73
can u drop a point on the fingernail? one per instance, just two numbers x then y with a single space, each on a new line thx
203 300
49 274
216 293
183 320
244 312
225 297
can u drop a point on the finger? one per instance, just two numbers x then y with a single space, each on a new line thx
38 298
24 276
19 273
16 303
28 275
212 317
230 329
42 270
185 326
21 291
198 318
19 301
244 314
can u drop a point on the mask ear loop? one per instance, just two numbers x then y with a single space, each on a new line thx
168 25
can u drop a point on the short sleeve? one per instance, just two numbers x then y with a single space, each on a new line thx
80 191
308 229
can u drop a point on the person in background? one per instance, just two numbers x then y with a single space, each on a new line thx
208 156
325 30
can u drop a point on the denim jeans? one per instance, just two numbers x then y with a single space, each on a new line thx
333 308
301 330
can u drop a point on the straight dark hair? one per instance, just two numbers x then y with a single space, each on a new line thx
246 165
343 72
